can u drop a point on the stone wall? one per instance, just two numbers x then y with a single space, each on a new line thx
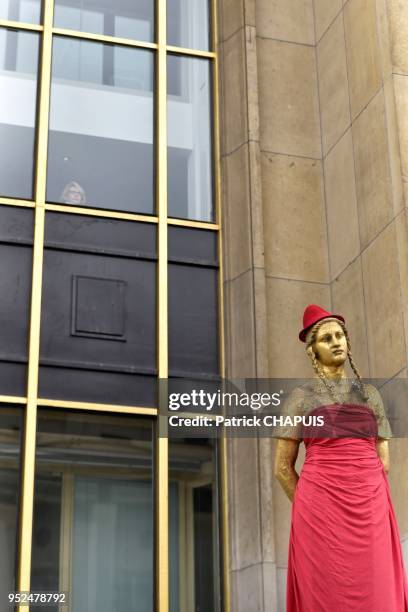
362 147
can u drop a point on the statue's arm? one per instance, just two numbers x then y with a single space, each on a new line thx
285 459
384 453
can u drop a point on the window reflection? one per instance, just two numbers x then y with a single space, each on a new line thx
101 126
18 77
27 11
10 428
93 515
190 176
193 520
188 24
122 18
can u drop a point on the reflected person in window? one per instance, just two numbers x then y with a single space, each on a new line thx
73 193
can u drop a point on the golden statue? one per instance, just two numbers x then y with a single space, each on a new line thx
344 549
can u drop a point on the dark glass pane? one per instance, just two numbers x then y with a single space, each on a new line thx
193 517
27 11
122 18
10 435
193 321
193 245
93 515
188 24
101 126
18 86
16 234
190 171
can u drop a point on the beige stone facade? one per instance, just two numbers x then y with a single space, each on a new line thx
314 119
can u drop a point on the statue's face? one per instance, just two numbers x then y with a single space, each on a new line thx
330 345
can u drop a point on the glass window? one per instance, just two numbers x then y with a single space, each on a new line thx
27 11
101 126
94 511
122 18
193 520
10 428
190 175
18 77
188 24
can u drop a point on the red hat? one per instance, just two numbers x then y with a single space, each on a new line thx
312 315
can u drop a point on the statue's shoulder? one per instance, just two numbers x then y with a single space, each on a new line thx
371 391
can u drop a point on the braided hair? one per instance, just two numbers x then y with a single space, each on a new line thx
310 340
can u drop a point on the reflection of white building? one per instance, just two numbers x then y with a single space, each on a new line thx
83 103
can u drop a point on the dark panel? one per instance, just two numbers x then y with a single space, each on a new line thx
193 321
99 387
60 347
15 283
15 287
98 308
193 245
16 224
13 378
81 232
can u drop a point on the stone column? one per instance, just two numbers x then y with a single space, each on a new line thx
252 571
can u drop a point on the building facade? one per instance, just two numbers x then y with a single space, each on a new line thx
314 153
178 179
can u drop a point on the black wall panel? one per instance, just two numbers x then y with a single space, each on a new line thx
16 233
98 324
193 321
193 245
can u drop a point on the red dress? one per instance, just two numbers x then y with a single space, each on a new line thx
344 550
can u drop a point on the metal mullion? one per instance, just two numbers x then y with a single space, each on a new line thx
66 534
12 399
28 456
100 212
161 481
218 219
17 25
103 38
91 406
190 52
194 224
12 202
